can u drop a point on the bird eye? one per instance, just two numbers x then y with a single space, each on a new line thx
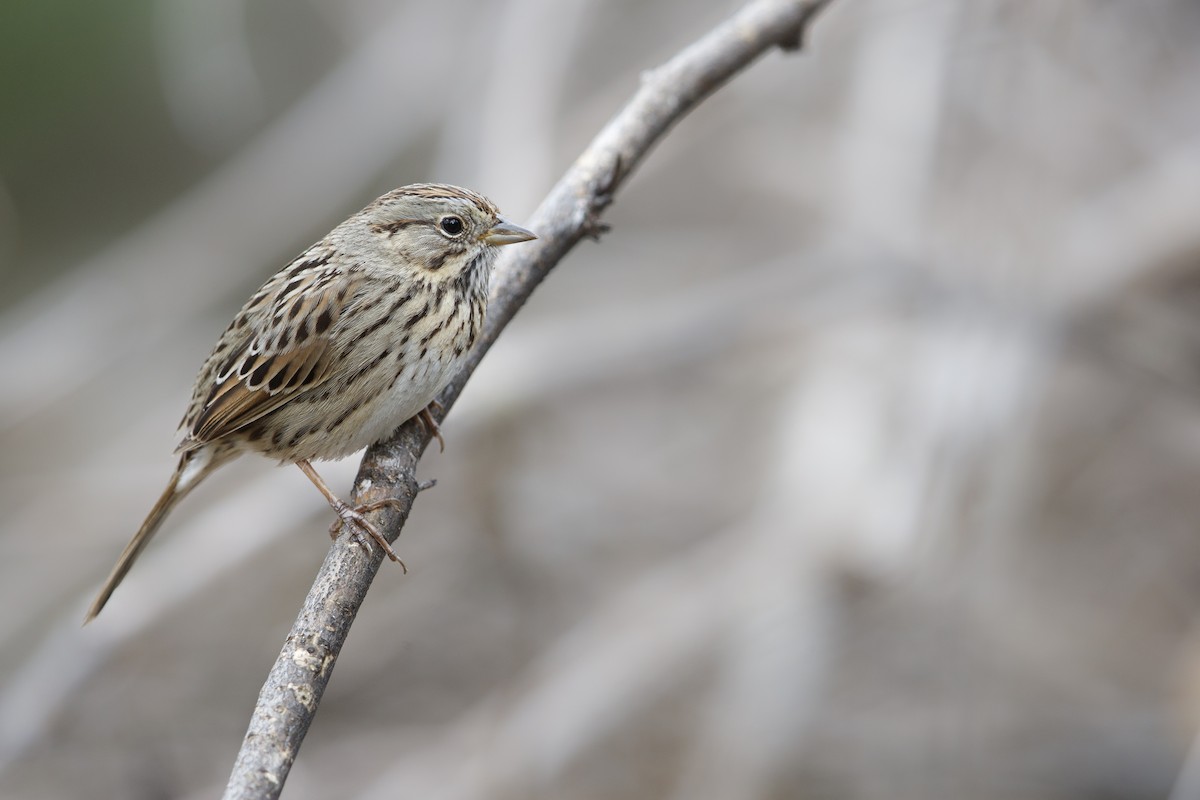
451 226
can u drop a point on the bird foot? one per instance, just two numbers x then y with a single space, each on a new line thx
360 528
431 424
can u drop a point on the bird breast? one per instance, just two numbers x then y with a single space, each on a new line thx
398 369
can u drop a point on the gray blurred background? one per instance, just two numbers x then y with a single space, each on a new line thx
860 460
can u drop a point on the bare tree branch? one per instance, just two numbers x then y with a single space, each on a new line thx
293 689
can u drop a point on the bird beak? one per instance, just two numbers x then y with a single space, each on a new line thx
505 232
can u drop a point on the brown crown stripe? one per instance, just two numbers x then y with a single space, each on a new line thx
436 190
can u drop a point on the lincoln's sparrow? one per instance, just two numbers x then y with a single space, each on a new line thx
343 345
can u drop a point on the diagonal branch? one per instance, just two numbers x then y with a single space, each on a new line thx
571 211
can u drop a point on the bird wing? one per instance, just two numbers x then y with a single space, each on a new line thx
281 346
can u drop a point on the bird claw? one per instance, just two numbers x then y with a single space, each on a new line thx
431 424
361 528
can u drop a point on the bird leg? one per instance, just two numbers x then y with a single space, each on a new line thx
430 423
353 517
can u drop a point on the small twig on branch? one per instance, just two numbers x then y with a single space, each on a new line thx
293 689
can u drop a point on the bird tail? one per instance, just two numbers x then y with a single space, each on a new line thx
194 466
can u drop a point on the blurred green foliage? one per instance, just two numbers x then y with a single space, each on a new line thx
86 146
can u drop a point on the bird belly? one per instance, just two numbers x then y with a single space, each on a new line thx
413 389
